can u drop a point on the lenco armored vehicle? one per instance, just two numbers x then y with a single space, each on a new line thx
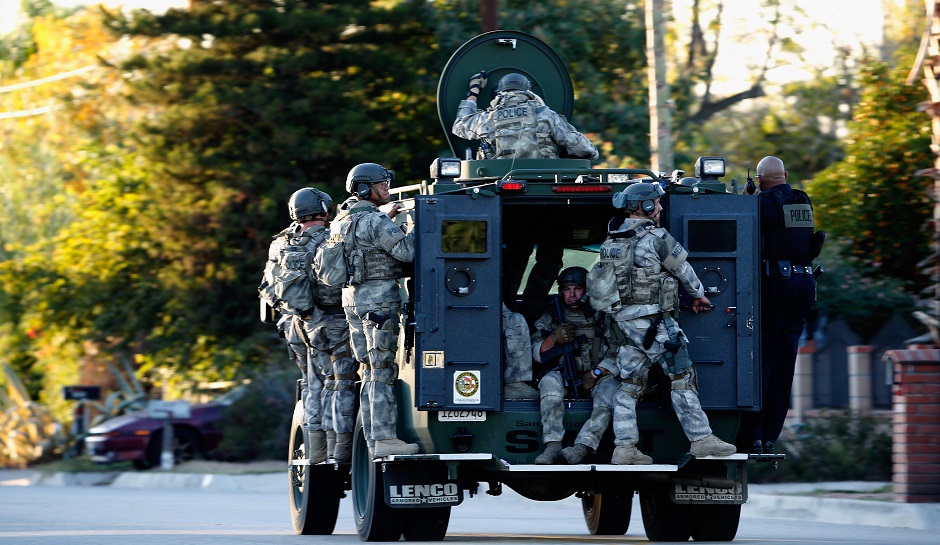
450 355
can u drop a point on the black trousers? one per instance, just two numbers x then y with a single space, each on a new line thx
785 306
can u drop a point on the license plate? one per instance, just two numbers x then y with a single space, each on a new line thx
461 416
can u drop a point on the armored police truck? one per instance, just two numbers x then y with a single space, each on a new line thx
451 349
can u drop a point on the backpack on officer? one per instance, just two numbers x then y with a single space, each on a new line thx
288 284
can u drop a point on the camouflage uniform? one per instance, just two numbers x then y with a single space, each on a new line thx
520 125
595 352
634 294
373 312
518 364
320 343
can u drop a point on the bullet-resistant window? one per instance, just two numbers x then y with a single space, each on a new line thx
463 237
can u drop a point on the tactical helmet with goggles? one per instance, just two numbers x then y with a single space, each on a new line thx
641 195
362 176
309 202
573 276
513 82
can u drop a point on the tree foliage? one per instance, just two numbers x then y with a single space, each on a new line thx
872 197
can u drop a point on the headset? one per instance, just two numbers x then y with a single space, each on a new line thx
363 190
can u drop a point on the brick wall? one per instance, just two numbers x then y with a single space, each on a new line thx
916 423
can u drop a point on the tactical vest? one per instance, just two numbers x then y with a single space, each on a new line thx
792 237
586 324
515 129
370 263
635 285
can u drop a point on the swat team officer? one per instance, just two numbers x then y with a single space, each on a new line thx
373 302
573 326
518 125
788 291
328 335
318 337
637 280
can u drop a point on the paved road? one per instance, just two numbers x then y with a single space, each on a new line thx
156 508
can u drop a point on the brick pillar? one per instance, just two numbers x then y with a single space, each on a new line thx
916 425
860 377
801 395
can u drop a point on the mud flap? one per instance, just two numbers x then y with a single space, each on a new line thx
694 491
413 485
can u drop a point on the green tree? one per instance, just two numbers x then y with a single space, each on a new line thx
872 198
257 99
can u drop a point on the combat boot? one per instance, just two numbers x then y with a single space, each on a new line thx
317 447
550 454
575 454
711 446
389 447
330 443
630 456
519 390
343 452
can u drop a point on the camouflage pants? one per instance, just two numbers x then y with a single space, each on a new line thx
602 396
634 363
311 386
374 334
552 406
518 348
332 354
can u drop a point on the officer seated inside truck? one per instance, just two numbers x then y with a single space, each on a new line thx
573 357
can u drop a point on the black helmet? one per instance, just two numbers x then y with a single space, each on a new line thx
573 276
360 179
513 82
309 202
639 194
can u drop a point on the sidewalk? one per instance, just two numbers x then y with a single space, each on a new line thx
853 502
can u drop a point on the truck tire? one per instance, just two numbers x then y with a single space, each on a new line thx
716 522
375 521
663 519
608 513
315 490
430 523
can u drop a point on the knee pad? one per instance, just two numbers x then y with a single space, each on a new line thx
686 380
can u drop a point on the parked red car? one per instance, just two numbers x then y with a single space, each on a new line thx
139 438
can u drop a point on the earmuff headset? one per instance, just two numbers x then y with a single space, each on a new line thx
363 190
648 206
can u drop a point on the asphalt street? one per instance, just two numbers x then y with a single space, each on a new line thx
822 502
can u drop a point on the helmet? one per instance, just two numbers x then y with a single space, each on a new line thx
360 179
573 276
309 202
643 194
513 82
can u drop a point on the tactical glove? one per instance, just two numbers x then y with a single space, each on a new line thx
563 334
477 83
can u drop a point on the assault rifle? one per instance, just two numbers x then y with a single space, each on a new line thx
569 368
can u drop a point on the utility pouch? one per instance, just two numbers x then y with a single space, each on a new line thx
782 268
819 238
669 294
357 266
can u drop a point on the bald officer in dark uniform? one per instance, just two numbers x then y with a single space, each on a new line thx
788 291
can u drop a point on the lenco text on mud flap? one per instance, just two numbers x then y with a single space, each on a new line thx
684 491
410 485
